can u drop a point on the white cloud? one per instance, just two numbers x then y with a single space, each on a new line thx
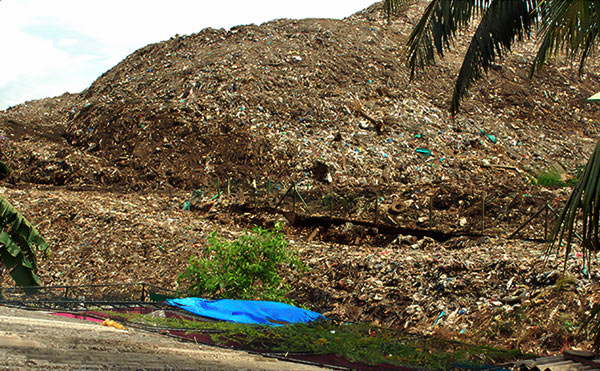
67 42
50 47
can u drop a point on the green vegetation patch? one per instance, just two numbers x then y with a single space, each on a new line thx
246 268
555 177
550 178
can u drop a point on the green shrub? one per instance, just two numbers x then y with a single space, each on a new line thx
247 268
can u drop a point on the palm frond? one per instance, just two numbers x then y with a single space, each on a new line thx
569 27
585 197
503 23
4 170
438 27
591 324
420 42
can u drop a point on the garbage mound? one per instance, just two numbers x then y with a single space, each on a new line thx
289 97
327 106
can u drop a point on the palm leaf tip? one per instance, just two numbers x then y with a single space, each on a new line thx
4 170
392 7
503 23
584 201
438 27
569 27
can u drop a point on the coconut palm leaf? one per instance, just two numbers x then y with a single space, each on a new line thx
591 324
19 242
4 170
503 23
570 27
437 29
395 6
565 26
585 198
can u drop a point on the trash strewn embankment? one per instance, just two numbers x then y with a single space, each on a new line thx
326 105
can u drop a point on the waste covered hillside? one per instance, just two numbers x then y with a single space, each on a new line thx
273 99
315 100
423 202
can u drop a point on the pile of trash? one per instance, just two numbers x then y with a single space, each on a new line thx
324 107
315 102
276 99
495 290
472 289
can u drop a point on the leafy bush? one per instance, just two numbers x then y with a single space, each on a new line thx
247 268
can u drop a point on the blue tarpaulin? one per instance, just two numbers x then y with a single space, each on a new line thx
246 311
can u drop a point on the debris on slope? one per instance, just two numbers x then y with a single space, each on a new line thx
492 289
273 99
326 104
276 99
323 102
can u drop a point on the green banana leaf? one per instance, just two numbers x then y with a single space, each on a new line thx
19 242
4 170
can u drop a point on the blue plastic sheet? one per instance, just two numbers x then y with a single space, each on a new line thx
247 311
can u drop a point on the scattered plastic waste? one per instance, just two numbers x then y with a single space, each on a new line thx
439 318
111 323
423 151
489 136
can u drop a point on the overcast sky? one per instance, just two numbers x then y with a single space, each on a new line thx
52 47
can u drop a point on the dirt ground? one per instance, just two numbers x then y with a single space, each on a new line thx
326 105
36 340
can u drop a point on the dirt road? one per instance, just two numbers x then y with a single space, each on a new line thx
37 340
